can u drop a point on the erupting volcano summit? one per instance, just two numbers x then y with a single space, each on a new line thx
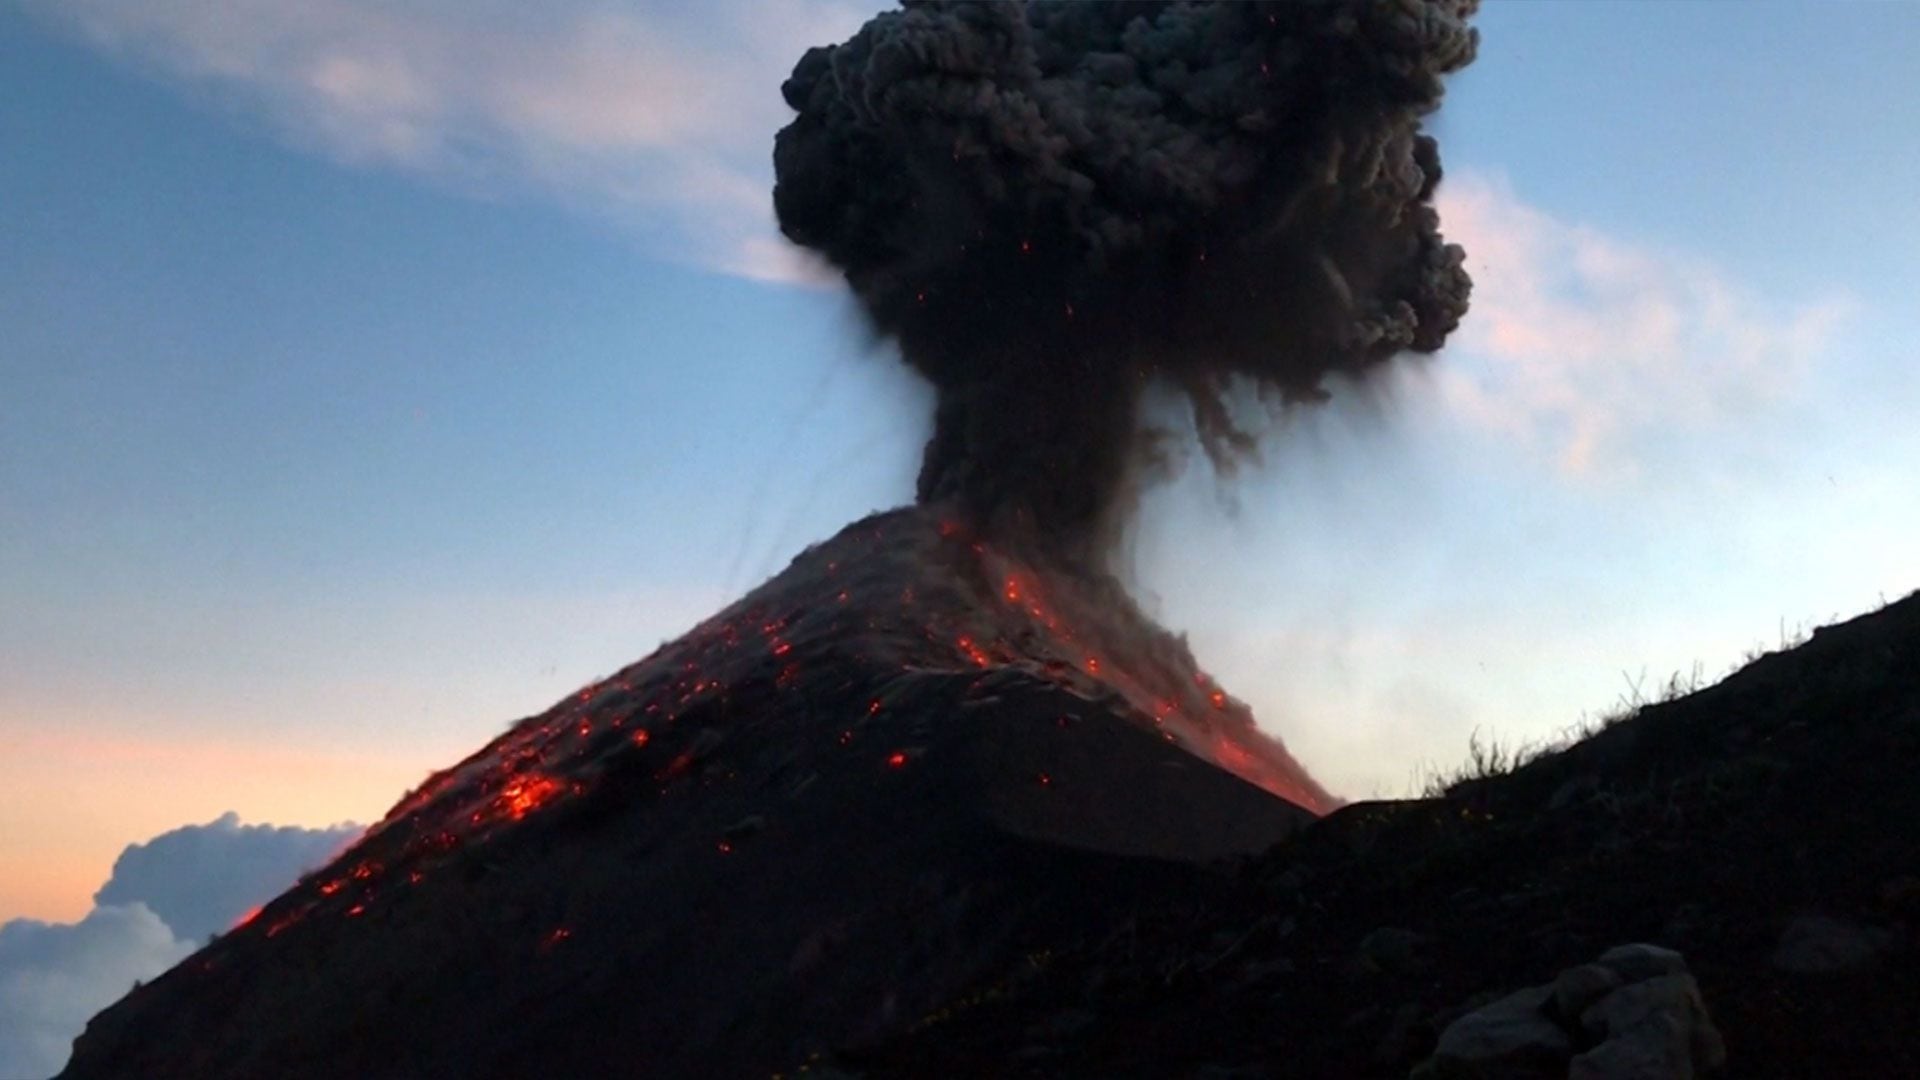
945 738
903 761
1052 205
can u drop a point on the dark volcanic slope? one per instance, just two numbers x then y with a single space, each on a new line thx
1711 823
892 770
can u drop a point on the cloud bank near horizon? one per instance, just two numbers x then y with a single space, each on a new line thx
162 901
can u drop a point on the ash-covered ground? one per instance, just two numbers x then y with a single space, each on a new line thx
911 760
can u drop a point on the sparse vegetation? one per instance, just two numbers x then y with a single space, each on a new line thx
1486 758
1489 757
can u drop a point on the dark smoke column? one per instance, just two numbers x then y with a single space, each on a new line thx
1050 204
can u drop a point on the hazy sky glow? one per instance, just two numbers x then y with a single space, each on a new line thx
374 374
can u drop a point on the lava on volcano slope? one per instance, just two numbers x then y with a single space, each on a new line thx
819 811
921 596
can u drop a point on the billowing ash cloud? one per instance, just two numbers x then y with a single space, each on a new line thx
164 899
1051 204
200 879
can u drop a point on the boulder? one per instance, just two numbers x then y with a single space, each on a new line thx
1658 1027
1513 1037
1577 988
1637 1010
1390 948
1636 962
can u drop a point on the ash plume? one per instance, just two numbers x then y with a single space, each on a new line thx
1051 204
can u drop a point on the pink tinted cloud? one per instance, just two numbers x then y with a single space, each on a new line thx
661 115
1579 343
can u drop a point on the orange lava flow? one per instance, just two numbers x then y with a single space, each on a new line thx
1158 695
524 795
934 599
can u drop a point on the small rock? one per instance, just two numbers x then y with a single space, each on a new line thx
1266 971
1817 945
745 827
1578 789
1389 948
1634 963
1577 988
1069 1024
1511 1037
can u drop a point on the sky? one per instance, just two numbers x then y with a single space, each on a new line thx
374 374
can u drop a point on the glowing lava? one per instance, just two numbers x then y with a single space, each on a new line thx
905 595
524 796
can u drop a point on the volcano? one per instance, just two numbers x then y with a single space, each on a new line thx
905 762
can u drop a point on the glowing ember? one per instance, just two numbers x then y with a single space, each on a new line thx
979 658
282 923
525 795
964 604
915 611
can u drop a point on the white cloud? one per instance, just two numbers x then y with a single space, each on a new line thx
164 898
1586 347
1606 470
661 116
200 879
54 976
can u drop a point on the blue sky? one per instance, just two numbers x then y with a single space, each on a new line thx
374 374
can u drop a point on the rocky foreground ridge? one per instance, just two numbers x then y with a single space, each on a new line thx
1766 829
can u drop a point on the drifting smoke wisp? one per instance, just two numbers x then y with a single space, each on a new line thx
1051 204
